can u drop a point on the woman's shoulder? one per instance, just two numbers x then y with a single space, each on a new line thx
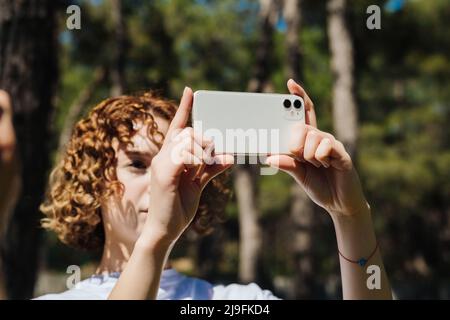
237 291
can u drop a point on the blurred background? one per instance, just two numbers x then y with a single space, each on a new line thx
384 92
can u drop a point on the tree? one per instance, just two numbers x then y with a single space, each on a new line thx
345 116
246 175
28 71
292 14
245 184
118 65
302 208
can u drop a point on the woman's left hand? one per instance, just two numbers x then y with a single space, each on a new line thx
321 165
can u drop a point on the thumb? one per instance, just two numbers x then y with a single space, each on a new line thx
287 164
221 163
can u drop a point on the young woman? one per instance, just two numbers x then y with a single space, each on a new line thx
135 177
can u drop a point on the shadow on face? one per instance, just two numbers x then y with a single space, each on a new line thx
125 215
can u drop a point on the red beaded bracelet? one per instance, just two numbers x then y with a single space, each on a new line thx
362 262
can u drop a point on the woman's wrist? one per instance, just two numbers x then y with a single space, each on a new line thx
363 208
153 246
355 234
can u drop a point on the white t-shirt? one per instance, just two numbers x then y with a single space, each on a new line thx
173 286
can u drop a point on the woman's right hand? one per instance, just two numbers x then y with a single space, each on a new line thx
179 173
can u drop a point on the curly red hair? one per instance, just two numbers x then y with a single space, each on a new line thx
86 174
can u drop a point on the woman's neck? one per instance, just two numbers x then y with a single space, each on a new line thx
115 257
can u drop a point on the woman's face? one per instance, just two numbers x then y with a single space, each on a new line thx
124 217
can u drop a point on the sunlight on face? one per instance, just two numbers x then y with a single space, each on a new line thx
124 217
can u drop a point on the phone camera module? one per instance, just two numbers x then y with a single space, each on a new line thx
287 103
297 104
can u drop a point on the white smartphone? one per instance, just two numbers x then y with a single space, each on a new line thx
243 123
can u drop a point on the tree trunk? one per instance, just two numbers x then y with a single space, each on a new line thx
302 217
28 71
118 65
292 15
263 67
245 184
209 252
302 208
246 176
345 116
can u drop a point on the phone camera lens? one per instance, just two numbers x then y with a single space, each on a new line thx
297 104
287 103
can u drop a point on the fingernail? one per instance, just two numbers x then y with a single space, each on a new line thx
186 90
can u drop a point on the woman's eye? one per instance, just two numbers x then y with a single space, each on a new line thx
138 164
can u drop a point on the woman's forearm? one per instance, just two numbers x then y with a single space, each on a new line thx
356 240
141 276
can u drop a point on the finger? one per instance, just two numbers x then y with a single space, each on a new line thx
208 160
197 136
190 160
204 155
179 154
323 152
340 159
221 163
192 146
182 115
189 144
287 164
182 161
310 114
297 140
312 142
